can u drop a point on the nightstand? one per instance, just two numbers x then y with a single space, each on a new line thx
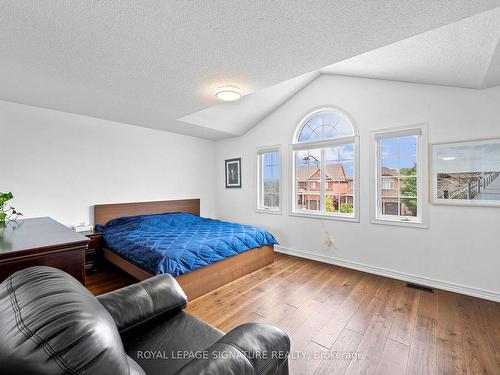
93 253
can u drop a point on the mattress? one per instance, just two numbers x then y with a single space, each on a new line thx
178 243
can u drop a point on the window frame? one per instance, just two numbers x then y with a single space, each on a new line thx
422 219
388 186
321 145
259 180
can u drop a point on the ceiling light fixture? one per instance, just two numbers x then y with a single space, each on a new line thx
228 93
448 158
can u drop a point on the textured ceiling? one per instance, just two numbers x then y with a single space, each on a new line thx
238 117
463 54
492 76
150 63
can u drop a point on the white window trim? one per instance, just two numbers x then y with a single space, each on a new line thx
388 184
422 176
323 143
258 191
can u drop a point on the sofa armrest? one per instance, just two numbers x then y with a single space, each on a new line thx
248 349
146 300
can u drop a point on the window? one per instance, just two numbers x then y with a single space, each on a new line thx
400 173
388 184
325 166
269 179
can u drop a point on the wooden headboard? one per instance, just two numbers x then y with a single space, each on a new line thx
106 212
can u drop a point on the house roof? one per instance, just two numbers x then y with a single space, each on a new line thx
389 172
334 172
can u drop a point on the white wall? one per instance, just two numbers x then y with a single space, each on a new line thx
462 244
59 164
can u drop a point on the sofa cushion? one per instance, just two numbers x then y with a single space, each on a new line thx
134 367
51 324
164 345
137 303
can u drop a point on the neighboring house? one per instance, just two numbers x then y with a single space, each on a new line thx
338 186
391 188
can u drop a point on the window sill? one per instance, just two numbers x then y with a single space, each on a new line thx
400 223
269 211
351 219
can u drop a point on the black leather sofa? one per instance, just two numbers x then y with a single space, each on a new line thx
51 324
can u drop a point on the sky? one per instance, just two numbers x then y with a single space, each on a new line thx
271 166
333 155
396 153
478 156
400 152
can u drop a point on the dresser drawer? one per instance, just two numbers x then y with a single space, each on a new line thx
69 260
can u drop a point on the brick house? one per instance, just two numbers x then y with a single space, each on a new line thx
391 187
309 190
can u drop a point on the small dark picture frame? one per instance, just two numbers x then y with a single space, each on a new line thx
233 173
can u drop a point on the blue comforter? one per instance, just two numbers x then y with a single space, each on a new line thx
178 243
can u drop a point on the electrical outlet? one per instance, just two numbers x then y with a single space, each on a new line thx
83 228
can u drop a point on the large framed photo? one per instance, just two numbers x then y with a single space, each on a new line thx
233 173
466 173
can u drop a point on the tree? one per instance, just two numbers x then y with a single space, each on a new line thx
346 208
409 188
329 204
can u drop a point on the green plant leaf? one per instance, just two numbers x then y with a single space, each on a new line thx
4 197
3 215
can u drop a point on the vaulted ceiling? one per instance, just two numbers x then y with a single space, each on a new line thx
157 63
463 54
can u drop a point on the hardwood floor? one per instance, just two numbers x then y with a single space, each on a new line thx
329 310
107 279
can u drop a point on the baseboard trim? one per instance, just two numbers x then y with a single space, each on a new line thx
433 283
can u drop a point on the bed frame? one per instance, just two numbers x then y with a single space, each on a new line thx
195 283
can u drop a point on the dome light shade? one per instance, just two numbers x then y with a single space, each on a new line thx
228 93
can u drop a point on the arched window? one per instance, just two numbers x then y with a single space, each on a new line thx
325 125
325 166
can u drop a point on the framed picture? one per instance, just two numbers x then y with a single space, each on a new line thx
466 173
233 173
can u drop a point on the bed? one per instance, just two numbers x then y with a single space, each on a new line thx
148 238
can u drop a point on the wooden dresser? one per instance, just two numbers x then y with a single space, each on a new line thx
41 241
